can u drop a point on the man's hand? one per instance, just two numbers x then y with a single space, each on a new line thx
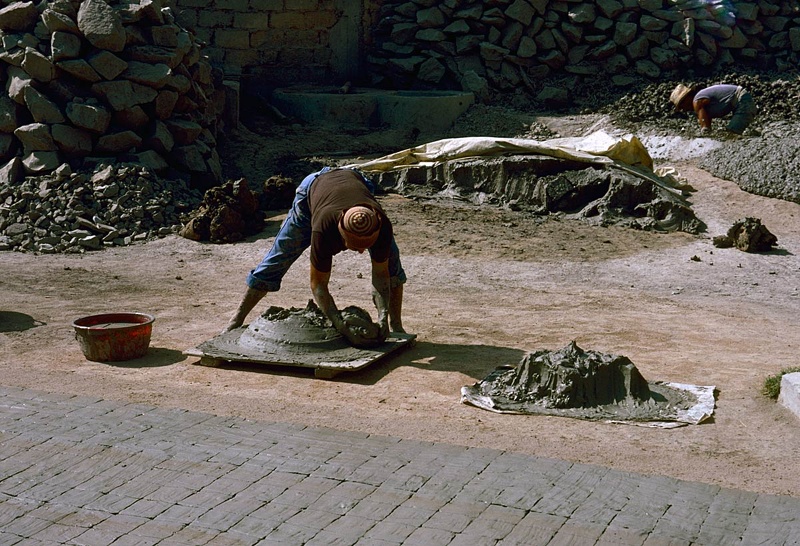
355 338
383 330
358 330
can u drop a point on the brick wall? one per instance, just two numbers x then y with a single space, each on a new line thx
281 41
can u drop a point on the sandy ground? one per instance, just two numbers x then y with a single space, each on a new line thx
485 286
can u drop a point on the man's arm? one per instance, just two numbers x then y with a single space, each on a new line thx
381 293
322 295
702 114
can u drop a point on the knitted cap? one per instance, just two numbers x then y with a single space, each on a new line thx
359 227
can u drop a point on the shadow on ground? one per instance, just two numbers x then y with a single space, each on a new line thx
475 361
12 321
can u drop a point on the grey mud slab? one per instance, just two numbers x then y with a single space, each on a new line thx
88 471
301 338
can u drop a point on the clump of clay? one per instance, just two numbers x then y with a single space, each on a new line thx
311 315
748 235
360 324
228 213
577 383
311 326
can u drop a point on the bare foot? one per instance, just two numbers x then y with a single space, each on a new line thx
232 325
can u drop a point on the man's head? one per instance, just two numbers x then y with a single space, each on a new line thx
359 227
682 97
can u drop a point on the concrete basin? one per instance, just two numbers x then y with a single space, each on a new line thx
424 111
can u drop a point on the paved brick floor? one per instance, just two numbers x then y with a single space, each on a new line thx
87 471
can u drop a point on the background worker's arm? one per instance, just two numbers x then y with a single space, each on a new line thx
702 114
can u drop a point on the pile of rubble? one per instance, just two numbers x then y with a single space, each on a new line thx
108 127
72 212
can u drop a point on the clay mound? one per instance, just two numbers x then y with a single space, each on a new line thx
574 378
585 384
545 185
303 337
227 214
748 235
302 330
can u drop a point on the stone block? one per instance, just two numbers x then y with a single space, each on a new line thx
790 392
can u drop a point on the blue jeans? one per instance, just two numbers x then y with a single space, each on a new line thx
294 238
744 113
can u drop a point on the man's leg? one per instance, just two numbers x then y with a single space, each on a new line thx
744 114
251 297
292 240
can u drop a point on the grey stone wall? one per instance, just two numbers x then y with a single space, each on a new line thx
91 82
492 45
503 44
487 44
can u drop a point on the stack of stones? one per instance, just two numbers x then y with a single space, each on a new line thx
69 212
505 44
116 90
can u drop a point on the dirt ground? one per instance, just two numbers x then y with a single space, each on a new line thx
485 286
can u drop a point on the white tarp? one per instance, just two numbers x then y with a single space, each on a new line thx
702 410
599 148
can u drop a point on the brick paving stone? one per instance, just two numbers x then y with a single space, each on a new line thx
343 498
146 508
89 472
11 508
372 510
27 525
226 515
51 512
456 516
84 519
111 502
577 533
9 539
424 536
265 519
622 537
326 538
182 513
192 536
313 518
534 529
390 531
291 534
653 540
350 527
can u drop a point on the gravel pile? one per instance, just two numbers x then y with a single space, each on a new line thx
777 96
75 212
766 161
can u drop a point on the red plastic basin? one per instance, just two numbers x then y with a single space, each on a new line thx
114 337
